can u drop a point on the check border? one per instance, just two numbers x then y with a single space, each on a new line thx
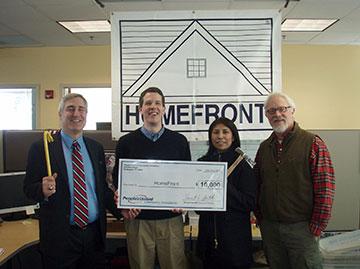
222 165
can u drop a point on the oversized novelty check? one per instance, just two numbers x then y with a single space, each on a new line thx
153 184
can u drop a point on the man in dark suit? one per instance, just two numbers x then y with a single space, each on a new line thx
73 199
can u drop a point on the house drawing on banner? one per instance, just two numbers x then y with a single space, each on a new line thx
196 62
225 71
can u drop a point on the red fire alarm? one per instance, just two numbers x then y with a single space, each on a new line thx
49 94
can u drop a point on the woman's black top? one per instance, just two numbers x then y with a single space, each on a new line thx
226 236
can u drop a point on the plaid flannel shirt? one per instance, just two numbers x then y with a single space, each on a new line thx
323 178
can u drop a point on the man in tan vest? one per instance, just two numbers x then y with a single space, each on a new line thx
296 189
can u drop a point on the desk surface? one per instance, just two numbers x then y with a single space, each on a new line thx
17 235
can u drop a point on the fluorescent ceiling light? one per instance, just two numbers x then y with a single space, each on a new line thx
306 25
86 26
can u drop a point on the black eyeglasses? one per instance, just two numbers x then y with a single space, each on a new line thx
281 109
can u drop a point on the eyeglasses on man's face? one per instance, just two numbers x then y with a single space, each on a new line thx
281 109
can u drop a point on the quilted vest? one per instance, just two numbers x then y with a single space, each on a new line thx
286 192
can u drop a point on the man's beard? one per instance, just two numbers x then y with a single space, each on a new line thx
281 128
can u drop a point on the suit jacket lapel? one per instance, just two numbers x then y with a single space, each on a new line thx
94 160
57 155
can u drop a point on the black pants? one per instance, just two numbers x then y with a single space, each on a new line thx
84 249
214 260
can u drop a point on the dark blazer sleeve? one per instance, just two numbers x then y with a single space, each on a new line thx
53 212
35 171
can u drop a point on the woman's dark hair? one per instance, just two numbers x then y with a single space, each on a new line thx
228 123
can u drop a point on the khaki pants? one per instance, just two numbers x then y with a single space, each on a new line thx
164 238
290 246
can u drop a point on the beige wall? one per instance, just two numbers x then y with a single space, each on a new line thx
323 80
51 68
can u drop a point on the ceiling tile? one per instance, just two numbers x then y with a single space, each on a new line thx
4 30
73 11
323 9
36 19
21 14
11 3
95 38
17 40
57 2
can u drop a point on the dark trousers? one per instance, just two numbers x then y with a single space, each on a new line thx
213 260
290 245
83 250
216 264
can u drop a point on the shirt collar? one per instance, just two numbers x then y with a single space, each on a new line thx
68 140
152 136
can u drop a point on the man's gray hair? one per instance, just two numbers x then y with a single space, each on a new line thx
282 95
68 97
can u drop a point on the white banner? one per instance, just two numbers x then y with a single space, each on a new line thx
207 63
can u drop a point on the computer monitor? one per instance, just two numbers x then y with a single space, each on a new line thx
12 197
103 126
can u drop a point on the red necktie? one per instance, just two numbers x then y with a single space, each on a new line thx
81 215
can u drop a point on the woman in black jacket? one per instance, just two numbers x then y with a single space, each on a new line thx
224 239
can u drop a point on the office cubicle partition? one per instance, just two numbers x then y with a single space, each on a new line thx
16 144
344 147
